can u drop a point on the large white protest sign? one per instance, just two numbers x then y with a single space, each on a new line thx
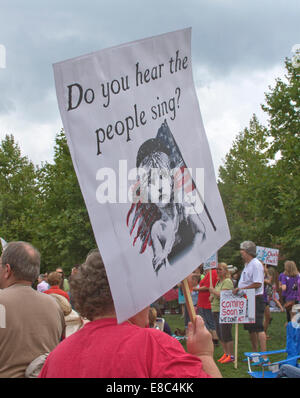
267 255
237 308
211 263
135 106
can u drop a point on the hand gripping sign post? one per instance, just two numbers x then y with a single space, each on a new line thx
142 159
237 308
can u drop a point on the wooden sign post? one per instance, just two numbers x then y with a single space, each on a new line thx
210 285
236 345
188 300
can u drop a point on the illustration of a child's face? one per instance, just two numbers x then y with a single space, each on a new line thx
156 179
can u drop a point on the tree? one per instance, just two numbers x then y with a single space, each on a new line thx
243 184
260 179
18 193
283 108
65 232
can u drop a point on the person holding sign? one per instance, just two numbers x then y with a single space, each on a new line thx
252 277
204 304
224 329
105 349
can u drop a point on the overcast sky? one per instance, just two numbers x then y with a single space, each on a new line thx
238 50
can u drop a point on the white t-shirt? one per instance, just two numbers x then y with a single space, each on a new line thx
253 273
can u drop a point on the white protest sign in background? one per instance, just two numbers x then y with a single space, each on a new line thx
267 255
237 308
130 106
3 243
211 263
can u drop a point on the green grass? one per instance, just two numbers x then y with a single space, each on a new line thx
277 341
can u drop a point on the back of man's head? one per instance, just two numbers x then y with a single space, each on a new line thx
24 260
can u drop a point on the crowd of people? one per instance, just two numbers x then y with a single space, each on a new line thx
67 327
273 292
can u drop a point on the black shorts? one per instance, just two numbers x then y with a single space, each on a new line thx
258 326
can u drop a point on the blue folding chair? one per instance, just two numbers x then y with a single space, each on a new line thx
270 370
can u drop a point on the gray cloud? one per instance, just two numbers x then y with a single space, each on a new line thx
228 37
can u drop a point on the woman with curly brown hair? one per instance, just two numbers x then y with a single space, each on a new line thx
105 349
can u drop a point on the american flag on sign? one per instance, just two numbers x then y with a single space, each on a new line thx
164 134
166 137
183 182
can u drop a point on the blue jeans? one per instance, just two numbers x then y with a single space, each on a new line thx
289 371
207 317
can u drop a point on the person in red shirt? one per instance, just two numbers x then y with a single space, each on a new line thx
54 279
203 305
105 349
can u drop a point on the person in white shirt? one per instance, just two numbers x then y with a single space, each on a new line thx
42 284
252 277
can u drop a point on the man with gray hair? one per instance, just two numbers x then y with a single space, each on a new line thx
252 277
33 322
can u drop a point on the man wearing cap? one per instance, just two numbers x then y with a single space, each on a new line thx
252 277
